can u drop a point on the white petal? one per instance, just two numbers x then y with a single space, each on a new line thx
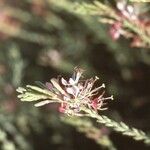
130 9
121 5
63 81
78 75
70 91
71 81
76 90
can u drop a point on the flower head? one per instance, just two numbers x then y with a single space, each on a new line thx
75 94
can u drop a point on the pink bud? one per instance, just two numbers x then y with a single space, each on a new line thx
95 103
62 108
115 30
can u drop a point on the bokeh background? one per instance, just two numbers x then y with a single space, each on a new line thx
40 40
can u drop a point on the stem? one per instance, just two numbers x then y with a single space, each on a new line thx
86 126
121 127
138 30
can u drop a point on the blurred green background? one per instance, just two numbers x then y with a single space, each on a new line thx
40 40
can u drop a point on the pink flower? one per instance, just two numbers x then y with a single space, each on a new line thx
74 94
95 103
115 30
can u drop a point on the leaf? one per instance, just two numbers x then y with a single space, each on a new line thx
20 90
57 86
42 91
42 103
40 84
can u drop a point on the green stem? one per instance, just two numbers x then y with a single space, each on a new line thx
121 127
87 127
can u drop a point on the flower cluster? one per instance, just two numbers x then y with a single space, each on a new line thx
75 94
129 13
78 97
124 11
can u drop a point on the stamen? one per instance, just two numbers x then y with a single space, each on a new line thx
103 108
96 89
103 85
111 98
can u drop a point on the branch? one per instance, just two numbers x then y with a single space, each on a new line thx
121 127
